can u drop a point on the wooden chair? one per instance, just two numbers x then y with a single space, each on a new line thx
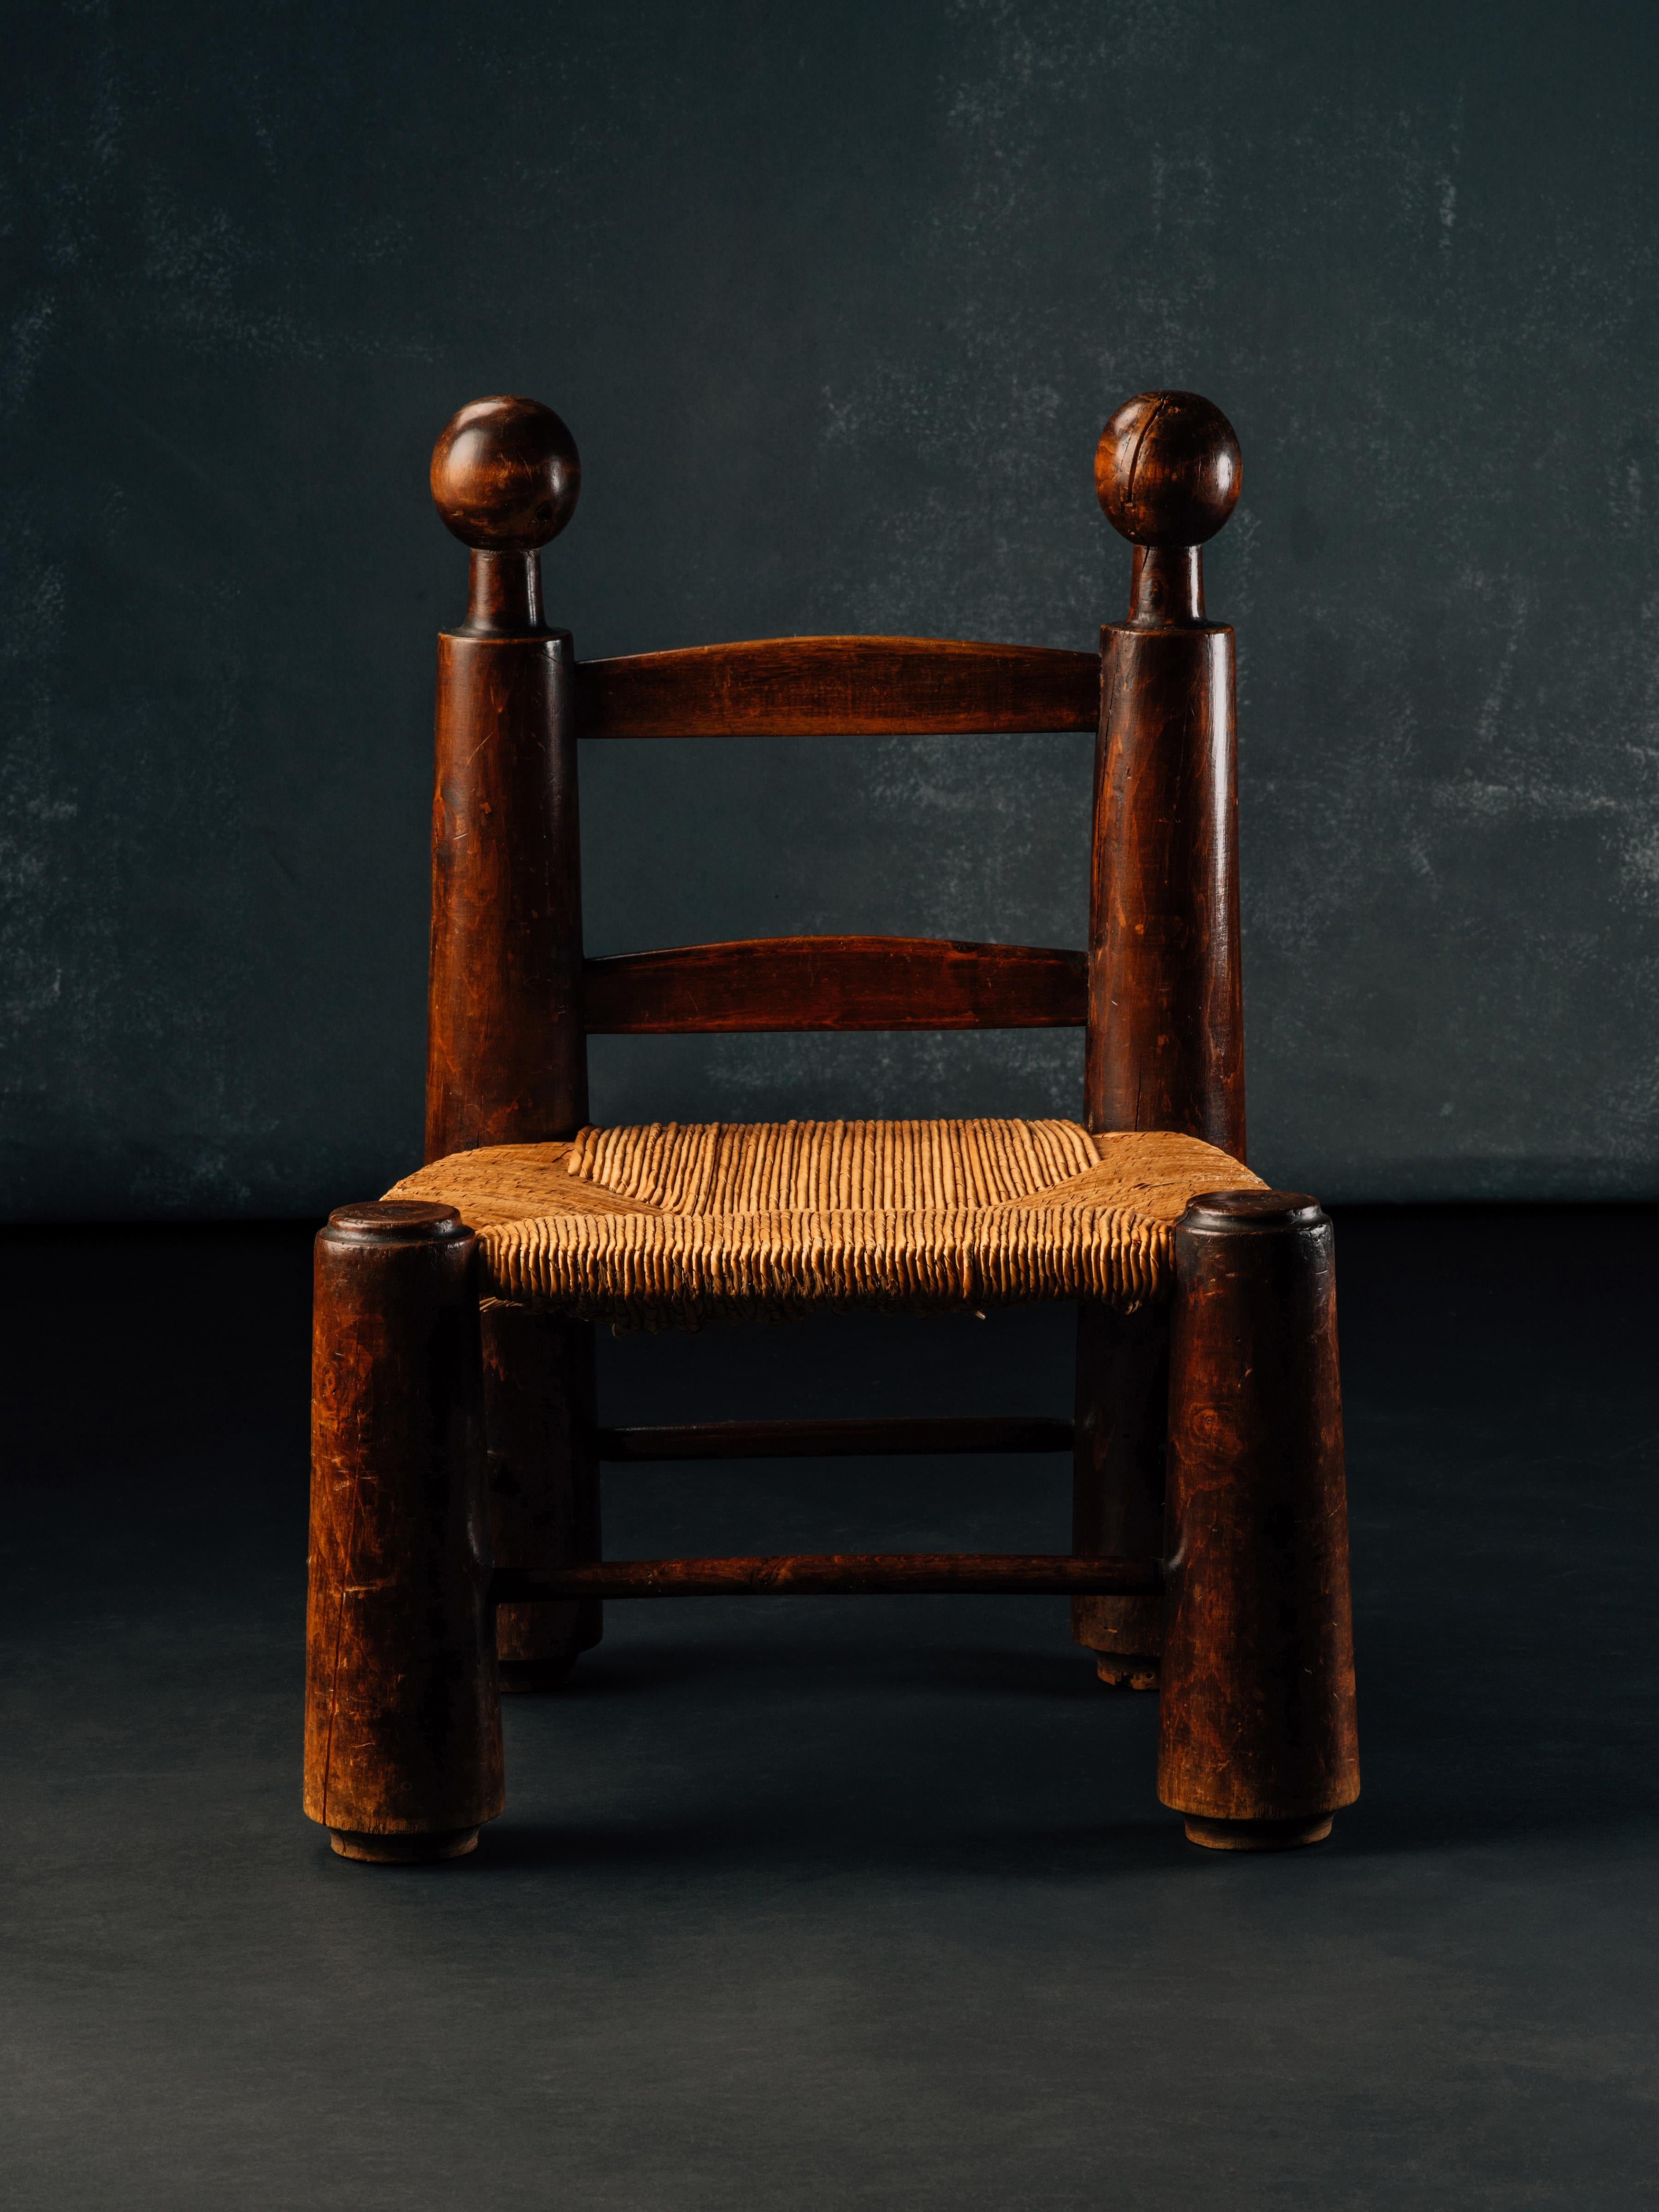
455 1540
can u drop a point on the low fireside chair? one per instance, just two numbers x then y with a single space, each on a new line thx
455 1545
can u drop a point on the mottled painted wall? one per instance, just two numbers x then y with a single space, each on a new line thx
836 299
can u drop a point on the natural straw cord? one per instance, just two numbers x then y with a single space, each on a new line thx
669 1226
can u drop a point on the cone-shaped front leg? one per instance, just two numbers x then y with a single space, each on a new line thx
1257 1743
403 1719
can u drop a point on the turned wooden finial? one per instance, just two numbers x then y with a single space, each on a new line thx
1167 471
505 477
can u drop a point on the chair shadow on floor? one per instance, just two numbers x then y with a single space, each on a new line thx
1016 1764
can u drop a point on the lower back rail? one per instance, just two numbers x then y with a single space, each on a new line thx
834 1574
968 1432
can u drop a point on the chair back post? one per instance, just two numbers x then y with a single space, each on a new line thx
506 1052
1165 1045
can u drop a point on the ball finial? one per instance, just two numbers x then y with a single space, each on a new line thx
1167 469
505 475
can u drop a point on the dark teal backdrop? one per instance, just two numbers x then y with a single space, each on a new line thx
836 299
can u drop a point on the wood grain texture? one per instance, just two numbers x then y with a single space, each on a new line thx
836 983
505 475
540 1394
403 1725
1122 1412
1165 1046
839 687
972 1432
1257 1741
841 1574
1168 471
1166 588
506 1057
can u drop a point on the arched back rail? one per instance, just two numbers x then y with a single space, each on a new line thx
836 983
802 687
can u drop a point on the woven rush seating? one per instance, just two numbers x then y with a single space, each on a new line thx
671 1225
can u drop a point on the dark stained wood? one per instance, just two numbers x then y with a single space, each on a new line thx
837 983
505 478
1165 1046
505 475
1166 588
1167 470
504 597
540 1395
1238 1376
1117 1479
839 687
1257 1742
506 1057
842 1574
403 1725
971 1433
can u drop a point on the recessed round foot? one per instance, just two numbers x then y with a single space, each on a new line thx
519 1676
1125 1670
418 1850
1257 1835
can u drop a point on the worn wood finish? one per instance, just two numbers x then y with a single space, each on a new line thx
1168 471
836 983
507 1054
839 687
505 475
842 1574
1256 1714
1164 1043
1257 1743
403 1725
540 1397
971 1433
1165 1029
1117 1479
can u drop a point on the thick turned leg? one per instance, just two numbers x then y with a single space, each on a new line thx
539 1417
1257 1743
403 1722
1117 1480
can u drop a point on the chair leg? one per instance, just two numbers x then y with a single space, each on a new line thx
1117 1480
403 1721
540 1418
1257 1743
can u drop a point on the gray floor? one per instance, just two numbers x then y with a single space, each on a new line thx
838 1902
